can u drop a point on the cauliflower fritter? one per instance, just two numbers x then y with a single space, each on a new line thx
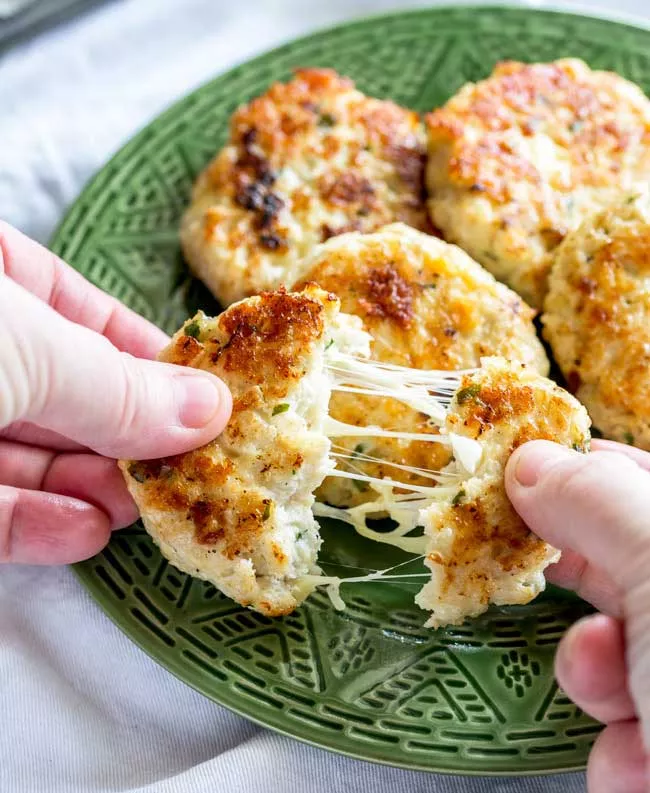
237 512
426 305
520 159
597 317
479 550
306 161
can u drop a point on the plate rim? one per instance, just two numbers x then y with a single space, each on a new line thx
118 618
82 570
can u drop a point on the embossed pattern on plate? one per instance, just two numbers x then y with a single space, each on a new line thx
369 682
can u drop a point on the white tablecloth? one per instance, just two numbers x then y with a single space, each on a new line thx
82 709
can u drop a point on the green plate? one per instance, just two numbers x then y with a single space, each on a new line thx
369 682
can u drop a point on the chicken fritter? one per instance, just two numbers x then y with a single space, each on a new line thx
597 317
427 305
305 161
520 159
479 550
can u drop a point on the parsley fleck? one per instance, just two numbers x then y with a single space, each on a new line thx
192 329
329 344
469 392
300 535
326 120
137 471
458 498
267 510
166 471
359 449
631 199
293 472
629 438
428 286
281 408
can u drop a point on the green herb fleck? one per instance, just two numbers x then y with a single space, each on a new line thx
281 408
359 449
267 510
166 471
631 199
469 392
458 498
293 472
329 344
629 438
428 286
576 126
137 471
300 535
192 329
362 486
326 120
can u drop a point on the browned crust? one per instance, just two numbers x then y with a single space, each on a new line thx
378 179
580 112
260 348
516 412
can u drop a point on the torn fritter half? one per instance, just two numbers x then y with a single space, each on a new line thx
477 547
307 160
237 512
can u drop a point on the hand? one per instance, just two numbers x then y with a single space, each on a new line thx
596 508
75 390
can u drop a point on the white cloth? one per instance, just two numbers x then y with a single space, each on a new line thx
83 709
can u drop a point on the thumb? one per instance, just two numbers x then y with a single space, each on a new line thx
66 378
597 504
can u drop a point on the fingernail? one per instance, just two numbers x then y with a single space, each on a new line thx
532 460
199 399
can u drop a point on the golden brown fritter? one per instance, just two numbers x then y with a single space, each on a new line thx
306 161
480 551
237 511
427 305
520 159
597 317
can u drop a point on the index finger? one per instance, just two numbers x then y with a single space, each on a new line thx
50 279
